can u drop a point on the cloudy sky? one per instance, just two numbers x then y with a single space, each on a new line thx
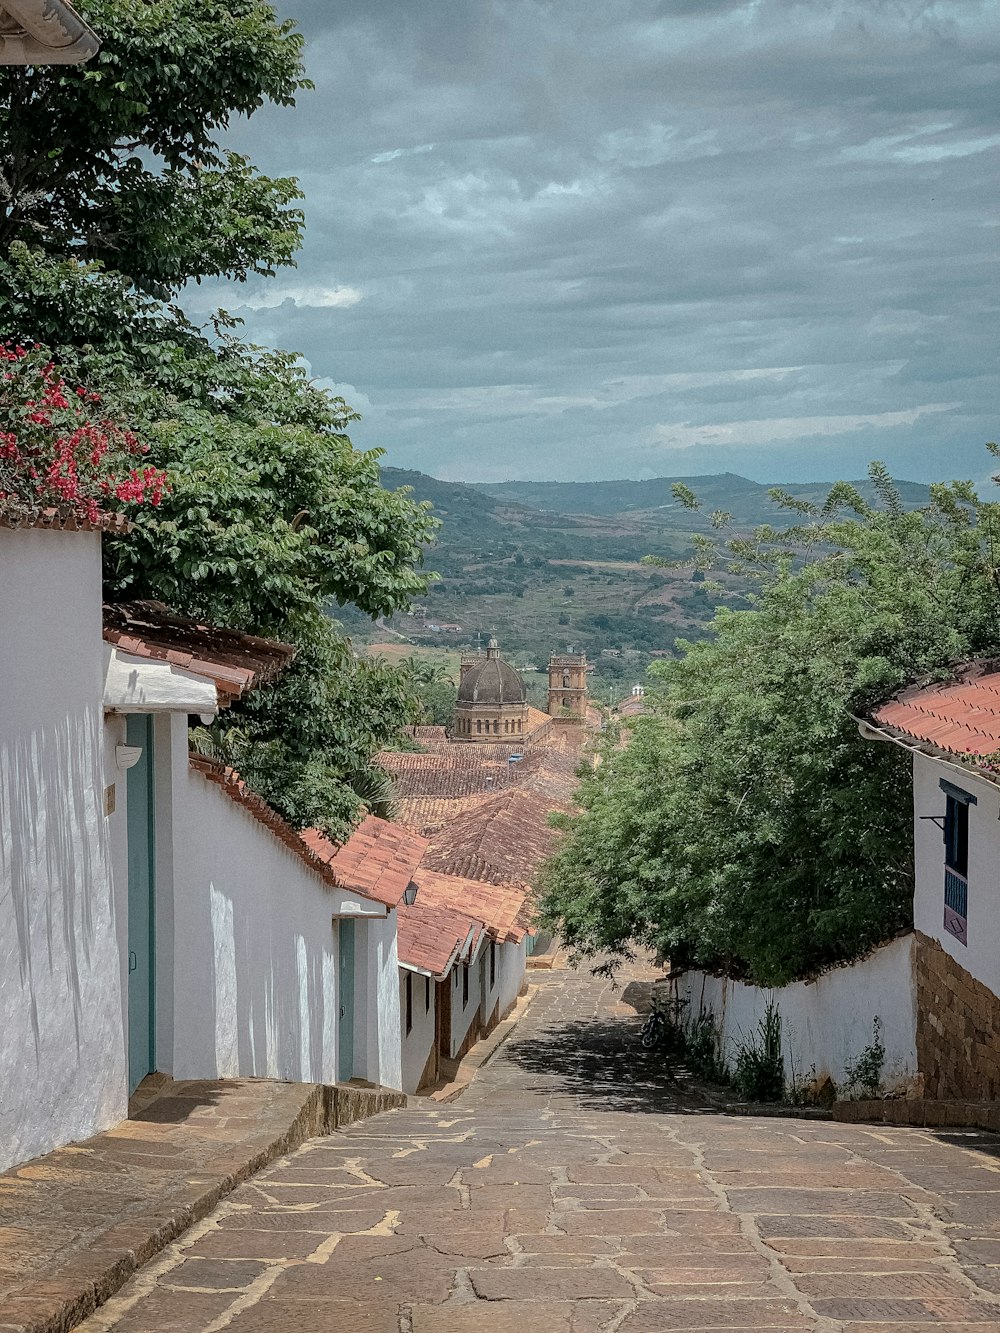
627 238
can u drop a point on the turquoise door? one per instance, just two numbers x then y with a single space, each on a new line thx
141 988
345 1048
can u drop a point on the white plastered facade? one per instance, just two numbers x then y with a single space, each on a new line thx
62 1058
826 1023
981 956
247 948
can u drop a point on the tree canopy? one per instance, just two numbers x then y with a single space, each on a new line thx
747 825
118 159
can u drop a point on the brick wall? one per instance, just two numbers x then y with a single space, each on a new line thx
958 1028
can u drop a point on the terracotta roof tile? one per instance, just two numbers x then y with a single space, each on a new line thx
377 861
64 520
960 717
236 662
433 938
502 840
506 910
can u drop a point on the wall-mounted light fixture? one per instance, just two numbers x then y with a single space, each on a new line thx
410 893
127 756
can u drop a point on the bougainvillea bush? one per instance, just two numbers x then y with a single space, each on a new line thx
59 449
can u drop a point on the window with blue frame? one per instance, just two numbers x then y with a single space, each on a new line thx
956 861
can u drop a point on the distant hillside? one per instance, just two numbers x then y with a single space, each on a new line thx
546 565
746 500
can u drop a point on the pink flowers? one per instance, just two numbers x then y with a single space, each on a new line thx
56 450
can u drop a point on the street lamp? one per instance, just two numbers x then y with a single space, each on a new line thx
44 32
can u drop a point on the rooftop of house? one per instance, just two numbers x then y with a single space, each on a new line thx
506 910
62 519
460 771
431 938
236 662
959 717
43 32
377 861
501 840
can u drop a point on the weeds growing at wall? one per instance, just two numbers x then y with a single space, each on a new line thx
759 1068
864 1075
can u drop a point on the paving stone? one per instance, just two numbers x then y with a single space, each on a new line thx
216 1274
568 1190
704 1314
491 1317
173 1312
548 1284
336 1316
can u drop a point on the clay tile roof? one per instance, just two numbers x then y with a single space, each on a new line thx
431 938
378 860
506 910
427 814
236 662
502 840
64 520
960 717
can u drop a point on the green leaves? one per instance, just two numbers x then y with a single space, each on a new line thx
748 826
138 180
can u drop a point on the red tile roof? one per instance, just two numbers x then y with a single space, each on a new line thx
378 860
432 938
506 910
64 520
960 717
502 840
236 662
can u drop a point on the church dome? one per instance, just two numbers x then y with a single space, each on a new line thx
491 682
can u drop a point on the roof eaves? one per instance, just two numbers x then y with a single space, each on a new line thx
44 32
962 763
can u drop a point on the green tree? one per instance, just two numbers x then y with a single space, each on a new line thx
748 825
272 518
118 159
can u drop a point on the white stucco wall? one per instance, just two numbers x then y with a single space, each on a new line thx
489 994
254 990
828 1022
62 1053
462 1016
981 956
513 965
416 1046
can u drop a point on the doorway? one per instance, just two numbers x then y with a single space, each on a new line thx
345 1044
141 891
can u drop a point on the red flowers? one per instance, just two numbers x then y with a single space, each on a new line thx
55 450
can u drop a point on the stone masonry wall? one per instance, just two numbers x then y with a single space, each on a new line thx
958 1028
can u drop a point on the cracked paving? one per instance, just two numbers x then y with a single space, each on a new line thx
576 1188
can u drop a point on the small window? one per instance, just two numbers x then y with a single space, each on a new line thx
465 984
493 963
956 836
409 1003
427 995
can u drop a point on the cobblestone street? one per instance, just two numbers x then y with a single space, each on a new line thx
573 1189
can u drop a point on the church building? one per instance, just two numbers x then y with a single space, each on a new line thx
492 700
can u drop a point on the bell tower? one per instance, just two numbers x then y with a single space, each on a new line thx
568 685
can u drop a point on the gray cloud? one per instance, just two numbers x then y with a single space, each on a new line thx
552 240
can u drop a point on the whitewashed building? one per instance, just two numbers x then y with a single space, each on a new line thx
155 914
463 957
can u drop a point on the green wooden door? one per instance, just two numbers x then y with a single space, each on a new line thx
345 1047
141 989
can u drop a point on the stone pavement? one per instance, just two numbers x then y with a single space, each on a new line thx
575 1188
76 1223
